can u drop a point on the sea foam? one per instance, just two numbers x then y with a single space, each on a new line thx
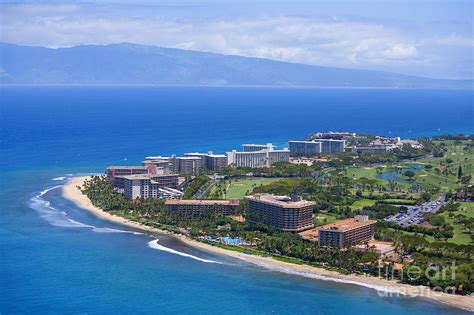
59 218
59 178
155 245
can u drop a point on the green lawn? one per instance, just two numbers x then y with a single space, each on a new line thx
359 172
459 156
467 209
359 204
460 237
238 188
324 218
430 178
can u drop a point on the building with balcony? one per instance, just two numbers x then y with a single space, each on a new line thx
281 212
197 208
304 148
331 146
257 159
346 232
114 171
140 187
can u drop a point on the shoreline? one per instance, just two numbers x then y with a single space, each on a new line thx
384 288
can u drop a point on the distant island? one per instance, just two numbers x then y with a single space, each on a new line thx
358 208
133 64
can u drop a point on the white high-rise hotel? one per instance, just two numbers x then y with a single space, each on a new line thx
317 146
256 155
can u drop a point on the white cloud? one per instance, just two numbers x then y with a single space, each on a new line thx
330 42
401 52
454 40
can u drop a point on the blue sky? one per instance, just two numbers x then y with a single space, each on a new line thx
425 38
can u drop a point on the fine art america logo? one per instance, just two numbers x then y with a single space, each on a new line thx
413 275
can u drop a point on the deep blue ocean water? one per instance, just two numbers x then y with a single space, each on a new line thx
57 258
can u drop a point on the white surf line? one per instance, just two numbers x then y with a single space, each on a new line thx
59 218
379 288
155 245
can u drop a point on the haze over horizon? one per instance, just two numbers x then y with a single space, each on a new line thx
425 38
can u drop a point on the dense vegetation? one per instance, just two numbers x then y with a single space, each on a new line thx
347 185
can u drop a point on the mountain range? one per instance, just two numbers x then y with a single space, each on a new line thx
142 64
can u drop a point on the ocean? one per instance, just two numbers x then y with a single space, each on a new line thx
58 258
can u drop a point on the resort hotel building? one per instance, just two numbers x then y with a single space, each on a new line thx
347 232
305 148
113 171
316 147
331 146
210 161
186 165
257 147
251 157
197 208
189 164
282 212
140 187
145 186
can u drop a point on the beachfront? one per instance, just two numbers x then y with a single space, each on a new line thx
71 192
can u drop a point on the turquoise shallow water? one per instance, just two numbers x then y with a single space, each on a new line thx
57 258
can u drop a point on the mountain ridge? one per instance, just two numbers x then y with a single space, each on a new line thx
130 64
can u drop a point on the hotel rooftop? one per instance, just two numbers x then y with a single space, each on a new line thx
202 202
340 226
126 167
281 201
137 176
348 224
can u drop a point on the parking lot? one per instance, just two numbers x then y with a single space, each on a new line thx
415 214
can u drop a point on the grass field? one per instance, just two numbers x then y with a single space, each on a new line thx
359 204
324 218
238 188
460 237
467 209
448 181
359 172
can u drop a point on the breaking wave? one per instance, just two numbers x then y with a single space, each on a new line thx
59 178
155 245
59 218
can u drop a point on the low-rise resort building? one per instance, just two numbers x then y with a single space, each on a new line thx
282 212
197 208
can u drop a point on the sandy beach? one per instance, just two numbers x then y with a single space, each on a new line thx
383 287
